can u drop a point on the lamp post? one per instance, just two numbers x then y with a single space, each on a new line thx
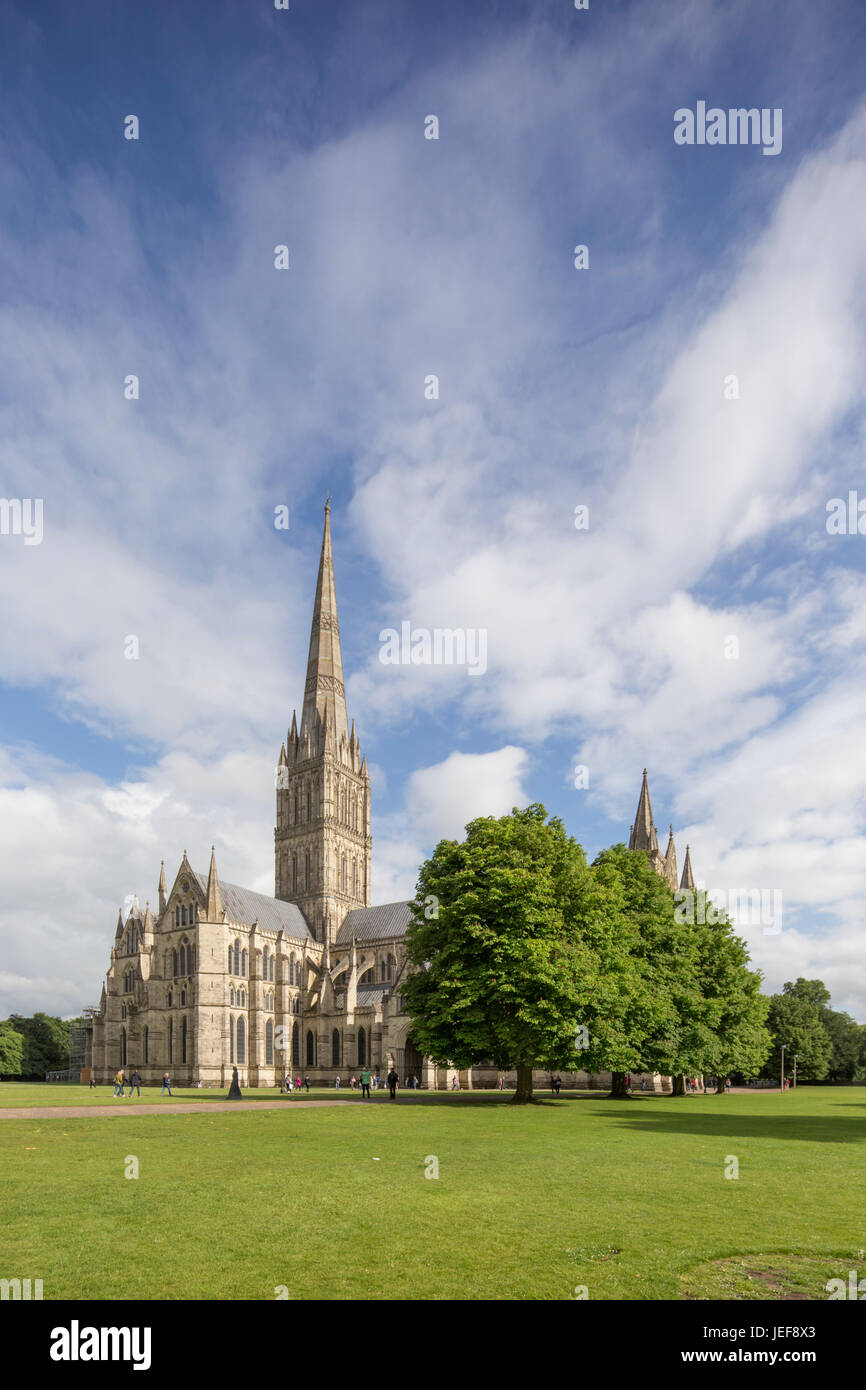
796 1055
782 1084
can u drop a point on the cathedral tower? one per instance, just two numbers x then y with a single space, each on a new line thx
322 836
643 832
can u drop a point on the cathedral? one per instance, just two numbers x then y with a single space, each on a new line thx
308 981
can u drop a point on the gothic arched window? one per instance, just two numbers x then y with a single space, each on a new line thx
177 916
271 976
183 916
294 873
269 1043
231 1039
169 1000
123 1047
146 1043
335 1048
265 964
183 1040
242 1041
296 1046
171 1039
307 869
354 878
231 995
309 805
237 969
311 1049
244 961
174 963
183 1003
362 1048
292 968
183 960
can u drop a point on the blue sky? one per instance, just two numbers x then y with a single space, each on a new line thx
558 387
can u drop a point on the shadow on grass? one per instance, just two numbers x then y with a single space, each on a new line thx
814 1129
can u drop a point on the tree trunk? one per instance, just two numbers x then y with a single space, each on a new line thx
618 1088
523 1094
679 1086
720 1086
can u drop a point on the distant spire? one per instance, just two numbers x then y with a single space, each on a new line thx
163 891
324 692
119 931
643 832
671 862
214 897
688 878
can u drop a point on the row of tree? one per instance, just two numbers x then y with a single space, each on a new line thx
827 1044
526 956
30 1047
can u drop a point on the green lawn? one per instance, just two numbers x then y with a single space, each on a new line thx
627 1198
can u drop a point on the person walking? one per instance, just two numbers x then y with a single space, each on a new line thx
557 1082
628 1081
365 1084
353 1083
393 1082
501 1082
336 1083
298 1084
307 1084
118 1084
135 1080
166 1084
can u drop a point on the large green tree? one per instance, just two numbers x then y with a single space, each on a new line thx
735 1009
795 1023
508 934
846 1036
659 1017
45 1043
11 1050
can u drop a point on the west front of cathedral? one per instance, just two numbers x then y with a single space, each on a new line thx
309 981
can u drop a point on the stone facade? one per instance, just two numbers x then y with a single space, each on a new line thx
307 982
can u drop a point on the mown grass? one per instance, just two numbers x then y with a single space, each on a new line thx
622 1197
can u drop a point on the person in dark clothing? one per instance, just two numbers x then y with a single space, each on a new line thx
135 1082
307 1084
393 1082
557 1082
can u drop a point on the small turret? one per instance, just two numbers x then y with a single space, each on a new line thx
215 912
670 868
688 878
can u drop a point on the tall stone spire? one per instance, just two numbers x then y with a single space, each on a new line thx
163 891
214 896
671 862
688 878
324 692
322 836
643 832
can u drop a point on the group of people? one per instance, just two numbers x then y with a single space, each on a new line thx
121 1079
133 1081
375 1082
287 1084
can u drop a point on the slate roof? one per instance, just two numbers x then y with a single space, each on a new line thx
244 906
372 994
375 923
